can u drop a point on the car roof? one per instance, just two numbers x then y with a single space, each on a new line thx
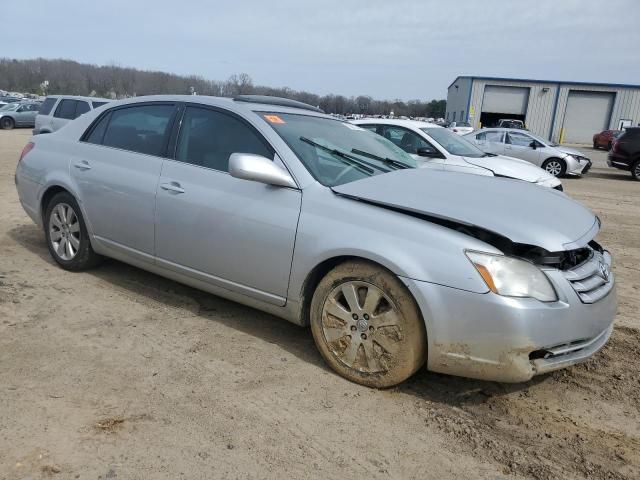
225 102
397 122
80 97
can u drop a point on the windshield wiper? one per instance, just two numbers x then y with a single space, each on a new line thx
387 161
345 157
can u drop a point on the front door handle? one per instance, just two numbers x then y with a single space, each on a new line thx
172 187
82 165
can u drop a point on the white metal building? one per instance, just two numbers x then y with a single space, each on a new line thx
565 112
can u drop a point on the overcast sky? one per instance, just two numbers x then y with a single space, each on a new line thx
384 48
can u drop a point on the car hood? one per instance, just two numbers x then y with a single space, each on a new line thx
522 212
569 151
512 167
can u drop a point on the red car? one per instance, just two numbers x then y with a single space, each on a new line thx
605 138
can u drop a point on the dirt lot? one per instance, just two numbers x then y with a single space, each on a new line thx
118 373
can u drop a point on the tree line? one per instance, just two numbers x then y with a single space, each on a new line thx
59 76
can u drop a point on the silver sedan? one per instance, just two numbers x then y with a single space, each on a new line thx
556 159
273 204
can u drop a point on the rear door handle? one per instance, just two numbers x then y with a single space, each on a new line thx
82 165
172 187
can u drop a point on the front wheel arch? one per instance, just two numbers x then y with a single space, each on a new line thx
563 165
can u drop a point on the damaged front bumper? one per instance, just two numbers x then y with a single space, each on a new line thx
506 339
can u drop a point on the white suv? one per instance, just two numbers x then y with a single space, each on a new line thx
57 110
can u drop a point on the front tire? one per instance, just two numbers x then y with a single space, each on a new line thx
7 123
555 167
595 146
66 234
635 170
367 325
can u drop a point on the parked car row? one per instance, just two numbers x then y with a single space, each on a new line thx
271 203
438 148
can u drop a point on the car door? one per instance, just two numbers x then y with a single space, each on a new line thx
518 145
490 141
29 114
116 167
231 233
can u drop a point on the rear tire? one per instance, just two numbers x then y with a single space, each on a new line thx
7 123
595 146
635 170
66 234
555 166
367 325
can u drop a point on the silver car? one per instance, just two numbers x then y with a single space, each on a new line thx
18 114
273 204
58 110
555 159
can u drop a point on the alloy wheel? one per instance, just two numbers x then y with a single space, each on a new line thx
64 231
361 326
554 167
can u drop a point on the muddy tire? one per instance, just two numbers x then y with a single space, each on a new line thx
367 325
66 234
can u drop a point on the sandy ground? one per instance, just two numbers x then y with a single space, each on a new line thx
118 373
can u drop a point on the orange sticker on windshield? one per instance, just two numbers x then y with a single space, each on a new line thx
274 119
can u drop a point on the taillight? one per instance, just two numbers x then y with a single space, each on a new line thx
27 148
615 146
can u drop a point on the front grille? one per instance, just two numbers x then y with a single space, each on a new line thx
593 279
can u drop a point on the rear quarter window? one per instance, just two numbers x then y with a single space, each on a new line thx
47 106
97 104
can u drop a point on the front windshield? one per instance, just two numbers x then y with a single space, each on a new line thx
543 140
9 107
337 152
454 144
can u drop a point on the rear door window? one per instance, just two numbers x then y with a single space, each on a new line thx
66 109
81 108
141 129
47 106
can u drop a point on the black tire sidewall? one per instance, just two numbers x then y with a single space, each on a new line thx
85 257
634 168
413 351
7 123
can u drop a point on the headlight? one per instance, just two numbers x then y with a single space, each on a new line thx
512 277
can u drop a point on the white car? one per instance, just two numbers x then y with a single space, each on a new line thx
437 147
461 128
556 159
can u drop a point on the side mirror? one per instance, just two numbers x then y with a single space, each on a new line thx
428 152
533 145
257 168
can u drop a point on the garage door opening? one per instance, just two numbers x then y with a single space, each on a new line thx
587 113
500 102
490 119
